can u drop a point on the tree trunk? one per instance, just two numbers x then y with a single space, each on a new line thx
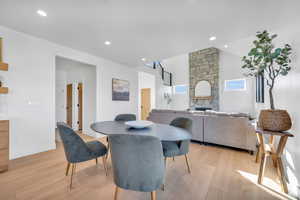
271 98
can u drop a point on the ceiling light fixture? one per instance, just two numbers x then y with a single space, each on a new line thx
212 38
41 13
143 59
226 46
107 43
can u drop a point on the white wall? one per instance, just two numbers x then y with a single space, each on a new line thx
74 73
230 68
30 105
60 96
179 66
146 80
109 109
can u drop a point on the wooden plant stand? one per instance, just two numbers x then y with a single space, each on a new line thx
266 150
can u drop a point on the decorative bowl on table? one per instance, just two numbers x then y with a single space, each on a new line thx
139 124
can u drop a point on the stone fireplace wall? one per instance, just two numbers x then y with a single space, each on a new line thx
204 65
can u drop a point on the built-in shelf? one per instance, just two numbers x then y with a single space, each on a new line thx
4 124
3 90
4 145
3 66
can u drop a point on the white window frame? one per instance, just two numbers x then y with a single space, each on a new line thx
240 79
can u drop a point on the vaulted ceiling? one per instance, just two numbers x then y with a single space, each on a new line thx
151 29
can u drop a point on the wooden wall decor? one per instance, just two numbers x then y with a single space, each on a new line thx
4 124
4 145
3 66
3 90
1 58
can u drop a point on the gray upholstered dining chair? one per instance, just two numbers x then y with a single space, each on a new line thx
125 117
122 118
76 150
137 163
178 148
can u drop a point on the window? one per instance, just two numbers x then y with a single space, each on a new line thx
180 89
235 85
260 86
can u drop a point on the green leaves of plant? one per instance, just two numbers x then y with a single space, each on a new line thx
264 57
276 53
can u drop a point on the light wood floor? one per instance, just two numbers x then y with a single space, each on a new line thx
217 174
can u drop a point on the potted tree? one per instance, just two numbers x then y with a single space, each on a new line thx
270 62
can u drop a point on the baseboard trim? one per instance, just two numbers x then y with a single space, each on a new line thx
223 146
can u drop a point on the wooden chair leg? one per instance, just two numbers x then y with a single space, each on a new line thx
274 159
257 155
104 165
68 168
153 195
106 156
173 158
107 149
280 171
165 162
187 163
96 161
262 168
72 173
116 193
164 185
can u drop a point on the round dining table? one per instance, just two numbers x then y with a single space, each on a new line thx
162 131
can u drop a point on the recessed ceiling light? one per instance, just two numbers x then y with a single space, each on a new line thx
107 43
143 59
212 38
41 13
226 46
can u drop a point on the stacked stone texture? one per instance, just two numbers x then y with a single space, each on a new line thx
204 65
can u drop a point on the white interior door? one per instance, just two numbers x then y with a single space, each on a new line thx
60 102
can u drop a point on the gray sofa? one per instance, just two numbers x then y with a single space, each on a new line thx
228 129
